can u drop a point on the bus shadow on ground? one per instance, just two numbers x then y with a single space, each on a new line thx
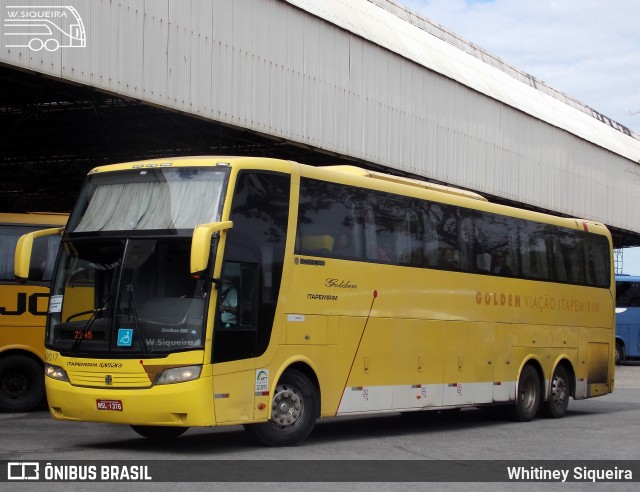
229 439
215 440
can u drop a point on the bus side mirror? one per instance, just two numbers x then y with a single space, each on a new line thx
24 248
201 244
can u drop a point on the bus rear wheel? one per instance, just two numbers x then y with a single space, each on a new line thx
527 397
294 410
21 383
558 402
159 432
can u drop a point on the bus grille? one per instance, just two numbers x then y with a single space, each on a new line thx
109 380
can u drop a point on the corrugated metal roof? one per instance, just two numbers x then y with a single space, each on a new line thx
411 36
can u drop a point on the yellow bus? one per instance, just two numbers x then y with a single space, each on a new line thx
23 310
241 290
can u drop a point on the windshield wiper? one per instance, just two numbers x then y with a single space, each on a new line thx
89 323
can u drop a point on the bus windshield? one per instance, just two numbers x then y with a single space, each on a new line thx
126 296
149 199
128 289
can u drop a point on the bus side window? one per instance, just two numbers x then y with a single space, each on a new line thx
328 227
559 260
466 245
627 294
320 245
597 271
430 242
407 239
370 236
534 255
496 246
8 244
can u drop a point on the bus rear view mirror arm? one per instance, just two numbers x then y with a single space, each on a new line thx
22 260
201 244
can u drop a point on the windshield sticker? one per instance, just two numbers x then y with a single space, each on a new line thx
125 337
55 304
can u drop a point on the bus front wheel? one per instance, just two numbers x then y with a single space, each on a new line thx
294 409
21 383
527 397
558 402
159 432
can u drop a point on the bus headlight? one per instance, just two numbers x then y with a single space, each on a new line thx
179 375
55 372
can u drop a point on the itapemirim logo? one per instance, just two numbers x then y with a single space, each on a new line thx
49 27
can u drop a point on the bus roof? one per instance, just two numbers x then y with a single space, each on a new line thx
359 173
34 218
407 181
623 277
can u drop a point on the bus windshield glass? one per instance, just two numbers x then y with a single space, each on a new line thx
126 296
149 199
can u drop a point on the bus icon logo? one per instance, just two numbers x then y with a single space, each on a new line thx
22 470
37 27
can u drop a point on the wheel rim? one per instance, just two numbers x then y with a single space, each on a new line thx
15 385
559 391
528 395
287 408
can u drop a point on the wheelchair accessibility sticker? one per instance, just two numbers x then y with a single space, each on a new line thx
125 337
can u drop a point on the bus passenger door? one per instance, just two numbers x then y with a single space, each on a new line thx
253 264
235 342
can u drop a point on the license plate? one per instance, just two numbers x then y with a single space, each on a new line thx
113 405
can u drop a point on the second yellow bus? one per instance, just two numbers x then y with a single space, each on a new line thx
23 310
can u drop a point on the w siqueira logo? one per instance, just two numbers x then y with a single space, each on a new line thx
50 28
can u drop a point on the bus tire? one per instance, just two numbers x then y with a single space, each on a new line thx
159 432
21 383
558 401
619 353
294 410
527 397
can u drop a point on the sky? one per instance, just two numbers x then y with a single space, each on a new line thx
588 49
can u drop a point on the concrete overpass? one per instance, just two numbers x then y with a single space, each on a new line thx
329 81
